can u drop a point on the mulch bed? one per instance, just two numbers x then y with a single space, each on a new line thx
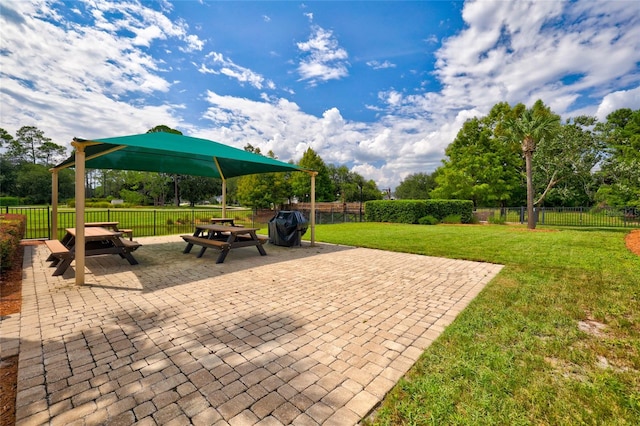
632 240
11 302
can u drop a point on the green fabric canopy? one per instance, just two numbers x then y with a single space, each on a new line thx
161 152
173 153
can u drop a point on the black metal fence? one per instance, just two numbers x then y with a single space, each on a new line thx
148 222
626 217
143 222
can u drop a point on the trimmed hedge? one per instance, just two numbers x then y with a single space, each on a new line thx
12 228
9 201
410 211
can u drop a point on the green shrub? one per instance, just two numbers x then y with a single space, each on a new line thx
428 220
452 218
9 201
12 228
410 211
497 220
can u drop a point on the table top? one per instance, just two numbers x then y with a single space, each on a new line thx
221 220
100 224
226 228
94 232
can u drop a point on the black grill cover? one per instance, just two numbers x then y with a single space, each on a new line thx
286 228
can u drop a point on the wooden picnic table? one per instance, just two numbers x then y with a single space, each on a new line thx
98 241
223 238
110 225
222 220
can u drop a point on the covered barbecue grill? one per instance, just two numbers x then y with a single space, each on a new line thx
286 228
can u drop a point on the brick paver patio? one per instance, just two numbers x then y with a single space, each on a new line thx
304 336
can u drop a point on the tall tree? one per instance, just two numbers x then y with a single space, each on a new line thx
5 137
301 185
33 183
340 177
563 163
31 146
416 186
199 188
263 190
619 176
533 126
481 165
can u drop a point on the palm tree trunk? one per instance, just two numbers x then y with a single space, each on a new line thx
531 220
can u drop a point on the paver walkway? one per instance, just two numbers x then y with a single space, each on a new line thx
305 336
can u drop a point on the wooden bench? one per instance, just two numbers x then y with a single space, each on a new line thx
261 240
127 232
130 245
60 256
57 248
205 243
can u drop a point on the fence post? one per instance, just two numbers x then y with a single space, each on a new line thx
580 215
154 222
521 215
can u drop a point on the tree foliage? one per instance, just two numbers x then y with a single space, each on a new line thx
482 166
563 164
263 190
619 177
199 188
416 186
301 183
31 146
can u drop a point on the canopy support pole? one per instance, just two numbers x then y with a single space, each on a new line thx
312 219
54 204
224 187
224 197
79 244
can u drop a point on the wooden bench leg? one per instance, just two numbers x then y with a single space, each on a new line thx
62 267
132 260
202 250
188 248
222 256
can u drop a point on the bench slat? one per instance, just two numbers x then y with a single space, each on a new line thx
56 247
130 245
222 245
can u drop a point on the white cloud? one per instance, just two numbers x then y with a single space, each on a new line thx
324 59
616 100
519 52
225 66
376 65
85 81
578 57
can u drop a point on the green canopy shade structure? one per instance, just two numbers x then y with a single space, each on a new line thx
166 153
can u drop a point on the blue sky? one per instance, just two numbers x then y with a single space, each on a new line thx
382 87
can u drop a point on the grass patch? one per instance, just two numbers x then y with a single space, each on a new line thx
553 339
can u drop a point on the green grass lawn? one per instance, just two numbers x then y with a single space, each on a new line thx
523 351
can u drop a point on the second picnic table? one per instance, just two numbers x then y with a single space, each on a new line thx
98 241
223 238
110 225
